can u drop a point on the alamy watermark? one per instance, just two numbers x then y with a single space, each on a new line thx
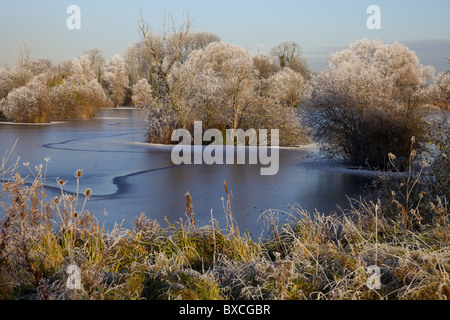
374 21
374 281
73 22
74 279
238 143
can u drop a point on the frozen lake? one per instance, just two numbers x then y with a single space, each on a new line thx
128 177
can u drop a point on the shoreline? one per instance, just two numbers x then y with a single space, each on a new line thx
5 121
306 147
31 124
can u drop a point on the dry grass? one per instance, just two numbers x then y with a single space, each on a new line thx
312 256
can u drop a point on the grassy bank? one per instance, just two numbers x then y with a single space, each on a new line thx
314 256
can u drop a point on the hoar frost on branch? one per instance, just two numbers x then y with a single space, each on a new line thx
117 79
142 93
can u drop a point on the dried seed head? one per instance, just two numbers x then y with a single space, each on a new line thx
391 156
413 139
88 192
61 182
413 153
56 200
78 173
444 291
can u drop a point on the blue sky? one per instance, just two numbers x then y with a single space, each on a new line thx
320 27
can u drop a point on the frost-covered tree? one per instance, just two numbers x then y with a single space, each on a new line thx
235 68
286 86
20 75
166 51
391 60
223 89
13 78
27 79
198 41
78 92
440 90
195 77
204 99
92 96
265 66
97 61
81 70
29 103
289 54
36 91
142 93
64 101
138 64
160 123
117 79
142 62
365 106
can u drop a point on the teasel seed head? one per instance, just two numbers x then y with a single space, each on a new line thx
88 192
78 173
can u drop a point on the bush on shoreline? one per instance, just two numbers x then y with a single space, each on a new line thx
368 103
38 92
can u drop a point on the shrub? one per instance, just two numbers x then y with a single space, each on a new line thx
29 103
70 101
438 178
64 101
92 97
160 122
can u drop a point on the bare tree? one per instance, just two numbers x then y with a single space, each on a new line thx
24 54
166 50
